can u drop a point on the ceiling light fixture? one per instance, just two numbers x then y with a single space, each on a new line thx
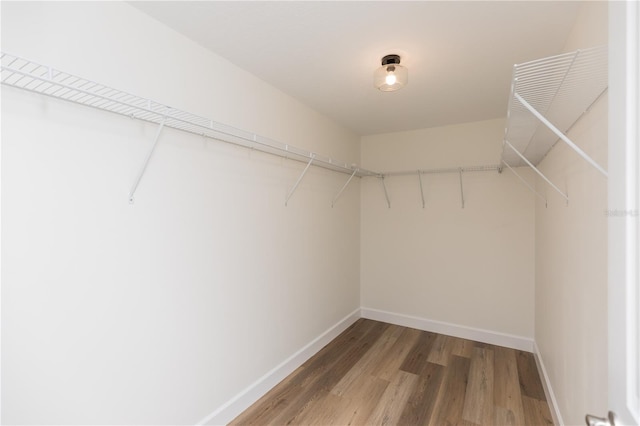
391 75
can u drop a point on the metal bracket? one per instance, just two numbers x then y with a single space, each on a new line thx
526 183
295 185
421 189
461 190
343 188
537 171
386 194
561 135
146 161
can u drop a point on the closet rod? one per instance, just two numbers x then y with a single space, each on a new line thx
33 77
457 170
486 168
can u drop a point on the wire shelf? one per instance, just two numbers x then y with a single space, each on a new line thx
34 77
27 75
483 168
561 88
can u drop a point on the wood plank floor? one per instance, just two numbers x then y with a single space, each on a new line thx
382 374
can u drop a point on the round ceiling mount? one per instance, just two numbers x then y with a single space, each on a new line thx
391 75
391 60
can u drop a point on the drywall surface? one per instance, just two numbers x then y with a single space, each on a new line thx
571 254
470 266
161 311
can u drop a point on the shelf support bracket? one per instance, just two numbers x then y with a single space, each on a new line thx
538 171
527 184
295 185
561 135
461 190
343 188
386 194
146 161
421 188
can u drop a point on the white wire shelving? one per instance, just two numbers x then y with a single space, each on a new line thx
34 77
447 170
31 76
548 96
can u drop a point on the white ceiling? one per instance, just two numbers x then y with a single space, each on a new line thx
459 54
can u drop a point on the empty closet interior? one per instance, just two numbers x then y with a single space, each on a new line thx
180 231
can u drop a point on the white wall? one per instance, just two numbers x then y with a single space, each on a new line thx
161 311
470 267
571 253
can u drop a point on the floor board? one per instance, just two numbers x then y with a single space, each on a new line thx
383 374
452 393
478 402
422 401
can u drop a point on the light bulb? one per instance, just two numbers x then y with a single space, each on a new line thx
390 79
391 76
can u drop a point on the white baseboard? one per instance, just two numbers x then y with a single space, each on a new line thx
477 334
236 405
546 385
